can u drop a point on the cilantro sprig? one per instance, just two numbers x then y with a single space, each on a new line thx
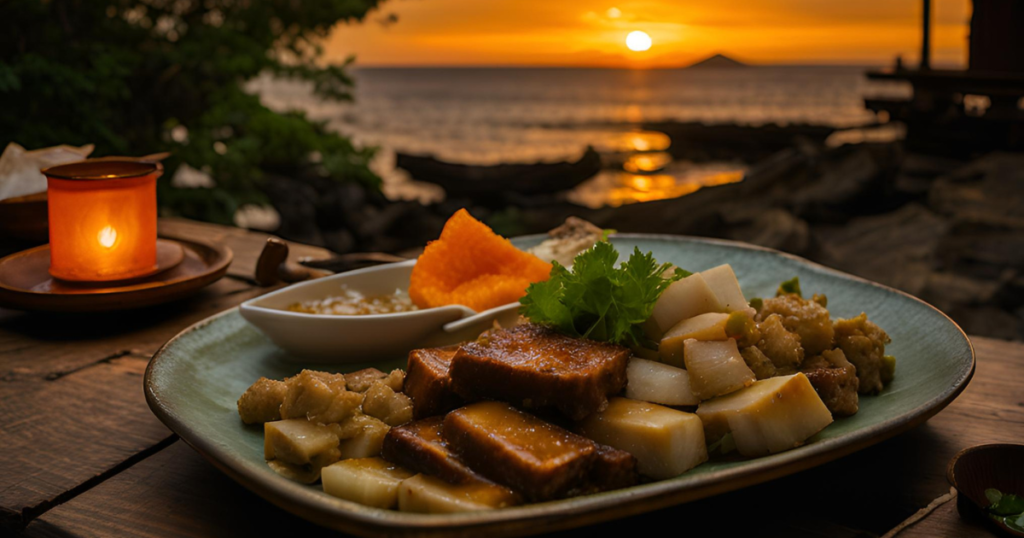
598 300
1006 508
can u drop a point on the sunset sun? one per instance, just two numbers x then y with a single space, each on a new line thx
638 41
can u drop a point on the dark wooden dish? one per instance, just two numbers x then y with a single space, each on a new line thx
975 469
26 284
24 218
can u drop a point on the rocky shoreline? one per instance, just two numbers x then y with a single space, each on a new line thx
948 231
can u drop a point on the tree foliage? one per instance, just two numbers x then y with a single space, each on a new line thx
137 77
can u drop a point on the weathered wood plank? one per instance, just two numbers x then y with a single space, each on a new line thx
176 493
943 522
245 244
58 435
172 493
46 345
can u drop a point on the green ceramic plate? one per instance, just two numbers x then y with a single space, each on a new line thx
192 384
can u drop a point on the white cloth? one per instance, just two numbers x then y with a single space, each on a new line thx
20 169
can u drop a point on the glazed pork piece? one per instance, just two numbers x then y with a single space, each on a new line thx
533 457
835 380
419 446
427 381
536 367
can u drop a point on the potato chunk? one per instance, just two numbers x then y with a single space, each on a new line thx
655 382
683 299
809 319
716 368
758 362
430 495
722 281
780 345
363 437
310 393
262 401
369 481
863 344
392 408
345 405
770 416
709 326
361 380
835 381
665 442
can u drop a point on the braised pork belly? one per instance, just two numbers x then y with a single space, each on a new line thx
533 457
535 367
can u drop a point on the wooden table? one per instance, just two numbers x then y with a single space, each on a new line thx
84 456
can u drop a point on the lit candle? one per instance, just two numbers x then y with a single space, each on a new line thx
102 220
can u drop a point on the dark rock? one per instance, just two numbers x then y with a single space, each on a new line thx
1001 246
774 228
295 202
897 249
340 240
989 321
949 291
989 190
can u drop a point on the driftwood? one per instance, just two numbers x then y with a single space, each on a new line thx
463 180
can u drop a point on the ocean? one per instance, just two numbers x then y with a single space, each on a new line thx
505 115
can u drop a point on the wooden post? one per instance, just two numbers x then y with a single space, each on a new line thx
926 31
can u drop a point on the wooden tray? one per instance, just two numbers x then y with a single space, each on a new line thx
24 218
26 284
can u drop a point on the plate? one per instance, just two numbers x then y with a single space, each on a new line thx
193 382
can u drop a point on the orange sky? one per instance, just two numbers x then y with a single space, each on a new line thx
593 33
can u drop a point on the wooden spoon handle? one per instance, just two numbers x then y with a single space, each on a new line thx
273 265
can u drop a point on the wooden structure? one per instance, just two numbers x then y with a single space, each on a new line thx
84 456
971 111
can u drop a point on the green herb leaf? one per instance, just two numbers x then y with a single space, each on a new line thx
1008 505
790 286
993 495
598 300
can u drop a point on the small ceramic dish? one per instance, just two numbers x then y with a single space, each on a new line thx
975 469
345 339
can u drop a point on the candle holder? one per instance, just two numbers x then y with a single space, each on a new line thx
102 220
104 253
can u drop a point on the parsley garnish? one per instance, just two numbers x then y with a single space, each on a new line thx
595 299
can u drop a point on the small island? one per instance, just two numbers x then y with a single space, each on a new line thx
717 61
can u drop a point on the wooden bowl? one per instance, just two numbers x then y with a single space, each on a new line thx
24 218
975 469
25 282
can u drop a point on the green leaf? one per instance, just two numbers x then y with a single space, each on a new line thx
993 495
790 286
598 300
1008 504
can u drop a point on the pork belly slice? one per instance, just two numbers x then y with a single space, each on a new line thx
537 459
427 382
420 447
533 366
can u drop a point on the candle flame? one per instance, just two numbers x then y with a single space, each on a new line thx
107 236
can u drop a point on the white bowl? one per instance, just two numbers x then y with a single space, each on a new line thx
338 339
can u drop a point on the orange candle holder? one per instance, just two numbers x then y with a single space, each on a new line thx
102 217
